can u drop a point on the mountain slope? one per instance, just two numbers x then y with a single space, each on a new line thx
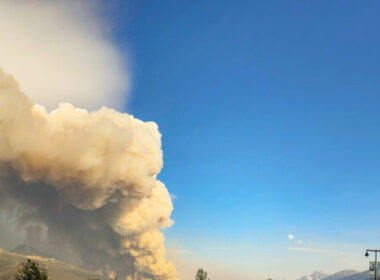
28 251
9 263
317 275
341 274
358 276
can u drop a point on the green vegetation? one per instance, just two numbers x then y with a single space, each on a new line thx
31 270
9 263
201 275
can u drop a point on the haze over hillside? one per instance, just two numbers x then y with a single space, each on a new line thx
9 262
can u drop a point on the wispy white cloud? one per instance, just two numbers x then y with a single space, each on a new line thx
218 248
315 250
293 238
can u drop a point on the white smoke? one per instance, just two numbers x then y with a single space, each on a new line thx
90 179
60 51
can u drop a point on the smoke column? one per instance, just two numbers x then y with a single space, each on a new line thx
90 179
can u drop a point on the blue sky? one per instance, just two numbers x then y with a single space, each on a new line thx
269 112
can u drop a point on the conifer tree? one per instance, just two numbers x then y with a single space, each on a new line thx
201 275
31 270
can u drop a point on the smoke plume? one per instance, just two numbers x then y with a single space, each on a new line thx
90 179
62 51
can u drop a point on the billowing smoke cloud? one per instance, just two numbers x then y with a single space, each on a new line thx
90 179
61 51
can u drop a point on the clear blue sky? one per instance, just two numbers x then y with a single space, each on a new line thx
270 118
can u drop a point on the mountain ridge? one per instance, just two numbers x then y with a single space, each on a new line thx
347 274
58 270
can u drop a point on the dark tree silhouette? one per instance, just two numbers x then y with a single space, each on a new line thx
31 270
201 275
